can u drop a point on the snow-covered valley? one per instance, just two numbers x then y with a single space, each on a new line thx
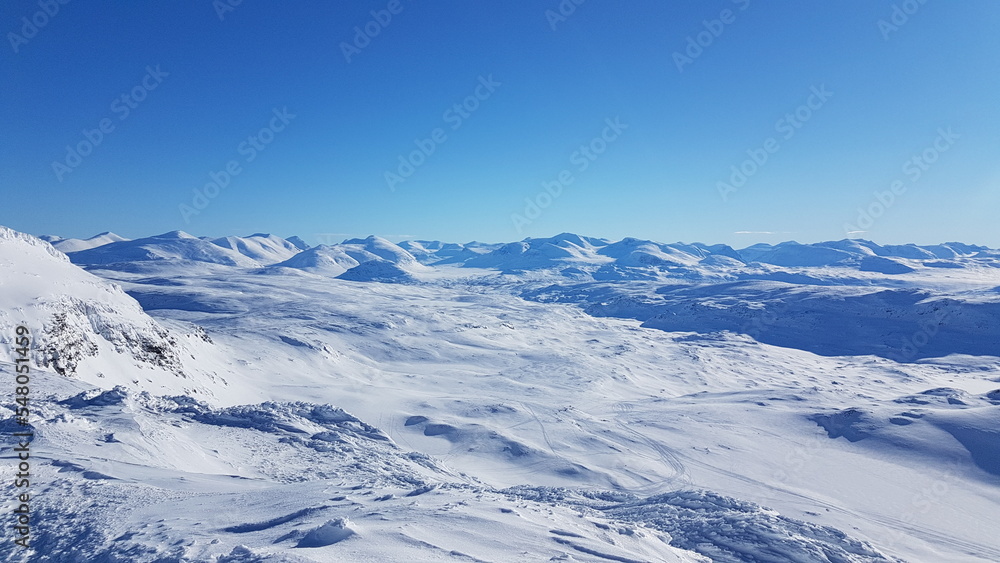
570 398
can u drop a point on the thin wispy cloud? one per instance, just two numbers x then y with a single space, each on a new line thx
762 232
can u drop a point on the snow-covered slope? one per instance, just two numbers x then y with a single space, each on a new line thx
87 327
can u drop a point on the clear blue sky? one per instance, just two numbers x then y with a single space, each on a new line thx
324 170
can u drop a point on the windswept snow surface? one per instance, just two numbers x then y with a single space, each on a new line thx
569 398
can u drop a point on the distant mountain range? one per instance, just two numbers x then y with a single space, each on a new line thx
573 255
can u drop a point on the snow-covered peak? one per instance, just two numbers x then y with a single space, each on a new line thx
174 235
298 242
390 262
175 245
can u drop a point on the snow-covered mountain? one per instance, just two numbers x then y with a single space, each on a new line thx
437 252
566 398
298 243
533 254
324 260
252 251
175 245
368 259
265 249
361 249
596 258
75 245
